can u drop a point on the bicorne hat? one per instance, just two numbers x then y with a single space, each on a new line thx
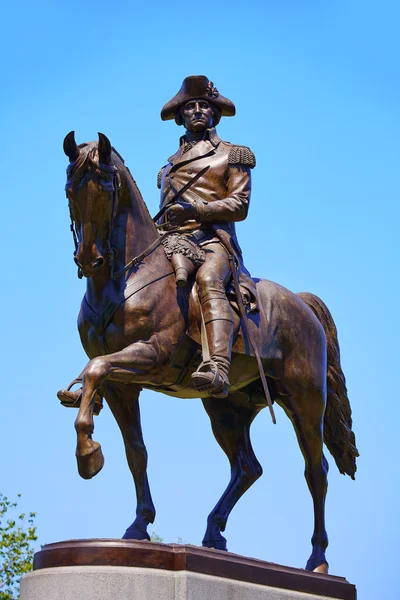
197 86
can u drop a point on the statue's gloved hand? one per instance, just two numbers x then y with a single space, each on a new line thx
180 212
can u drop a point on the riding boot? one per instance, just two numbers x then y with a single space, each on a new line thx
212 374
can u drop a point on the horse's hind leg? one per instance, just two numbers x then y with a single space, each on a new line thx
123 401
307 416
231 427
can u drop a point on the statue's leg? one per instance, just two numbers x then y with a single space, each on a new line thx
211 278
123 401
125 366
231 428
306 411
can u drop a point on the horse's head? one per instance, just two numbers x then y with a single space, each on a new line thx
92 190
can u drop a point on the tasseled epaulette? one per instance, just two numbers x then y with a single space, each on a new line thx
242 155
159 177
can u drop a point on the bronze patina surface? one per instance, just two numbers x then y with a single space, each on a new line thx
142 330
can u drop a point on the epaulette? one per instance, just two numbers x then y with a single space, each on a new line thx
159 177
241 155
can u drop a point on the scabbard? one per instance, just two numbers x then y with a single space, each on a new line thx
223 236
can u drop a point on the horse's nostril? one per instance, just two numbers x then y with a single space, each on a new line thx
98 263
76 261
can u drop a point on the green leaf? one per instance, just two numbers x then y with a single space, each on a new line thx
16 551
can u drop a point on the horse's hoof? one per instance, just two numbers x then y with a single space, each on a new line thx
219 544
90 464
322 568
135 534
317 565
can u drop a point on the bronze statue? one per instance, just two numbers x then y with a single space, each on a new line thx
140 329
208 209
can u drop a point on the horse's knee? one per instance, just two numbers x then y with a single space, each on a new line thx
95 370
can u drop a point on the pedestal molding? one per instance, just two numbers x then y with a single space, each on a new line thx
177 557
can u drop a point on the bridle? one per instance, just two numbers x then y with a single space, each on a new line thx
112 184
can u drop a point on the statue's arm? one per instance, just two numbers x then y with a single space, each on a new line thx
235 206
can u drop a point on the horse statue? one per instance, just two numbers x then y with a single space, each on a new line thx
140 330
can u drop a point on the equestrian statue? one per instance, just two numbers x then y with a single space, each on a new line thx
169 306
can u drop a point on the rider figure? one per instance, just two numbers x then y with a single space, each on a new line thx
213 203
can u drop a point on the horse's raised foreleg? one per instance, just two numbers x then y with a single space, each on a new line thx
123 401
131 365
231 427
307 418
88 452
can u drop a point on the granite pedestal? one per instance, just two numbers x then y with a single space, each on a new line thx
131 570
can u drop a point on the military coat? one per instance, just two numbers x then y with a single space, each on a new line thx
222 195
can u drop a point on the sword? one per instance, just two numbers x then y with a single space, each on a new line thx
181 191
223 237
250 336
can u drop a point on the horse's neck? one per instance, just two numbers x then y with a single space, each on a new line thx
133 222
132 233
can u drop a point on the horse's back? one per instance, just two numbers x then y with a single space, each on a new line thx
283 322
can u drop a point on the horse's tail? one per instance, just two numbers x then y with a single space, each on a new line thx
338 435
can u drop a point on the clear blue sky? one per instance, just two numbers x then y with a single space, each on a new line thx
316 86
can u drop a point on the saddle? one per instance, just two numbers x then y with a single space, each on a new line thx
257 321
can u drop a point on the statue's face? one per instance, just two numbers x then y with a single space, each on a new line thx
198 115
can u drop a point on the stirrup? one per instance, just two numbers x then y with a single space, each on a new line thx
73 399
208 378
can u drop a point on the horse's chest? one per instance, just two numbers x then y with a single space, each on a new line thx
95 333
92 340
100 337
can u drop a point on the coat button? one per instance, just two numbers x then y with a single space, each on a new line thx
190 170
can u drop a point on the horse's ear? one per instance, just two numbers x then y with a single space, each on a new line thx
70 147
104 149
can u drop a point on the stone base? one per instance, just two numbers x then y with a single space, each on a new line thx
130 570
